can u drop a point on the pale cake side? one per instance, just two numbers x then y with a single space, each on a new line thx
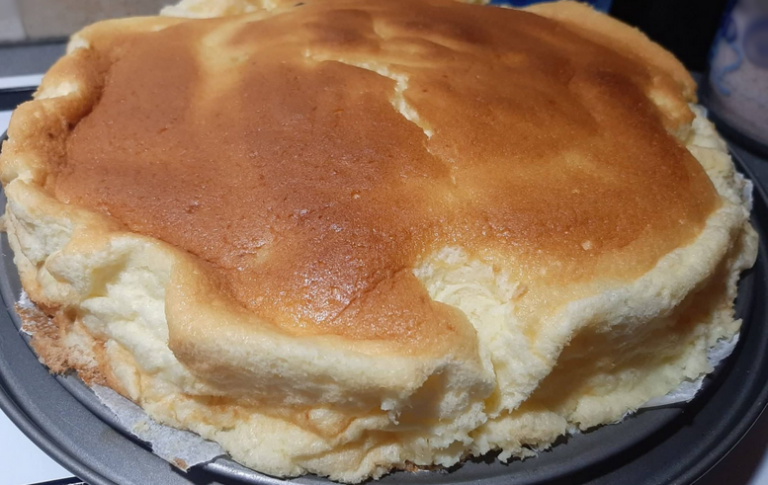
346 236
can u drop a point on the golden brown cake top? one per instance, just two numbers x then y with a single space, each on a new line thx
314 154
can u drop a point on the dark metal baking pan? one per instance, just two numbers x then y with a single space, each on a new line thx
676 444
12 97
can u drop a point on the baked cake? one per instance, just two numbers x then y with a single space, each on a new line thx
345 237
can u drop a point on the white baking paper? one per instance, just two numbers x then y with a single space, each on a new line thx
183 449
688 389
25 302
747 190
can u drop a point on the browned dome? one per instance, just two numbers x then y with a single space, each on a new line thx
313 157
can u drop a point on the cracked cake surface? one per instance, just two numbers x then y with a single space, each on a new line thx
350 236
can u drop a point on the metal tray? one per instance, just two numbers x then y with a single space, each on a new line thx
675 444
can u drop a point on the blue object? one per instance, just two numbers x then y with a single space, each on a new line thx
603 5
756 42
